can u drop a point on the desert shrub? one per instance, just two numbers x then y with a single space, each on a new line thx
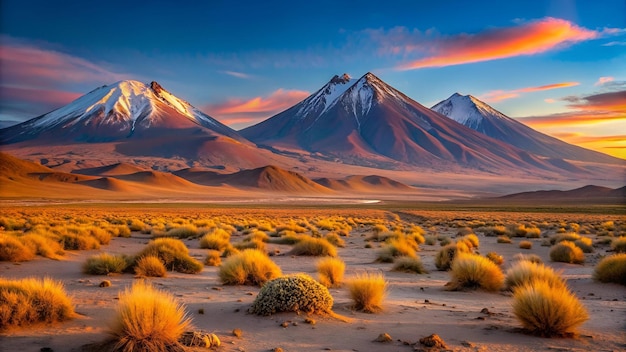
503 239
150 266
584 243
525 245
330 271
213 258
249 267
253 244
608 225
471 240
409 265
73 241
174 255
430 240
445 256
335 240
568 236
135 224
292 293
524 272
217 240
289 237
619 244
184 231
533 258
611 269
367 291
444 241
31 300
104 264
13 250
548 310
258 236
101 235
567 252
229 251
471 271
119 230
43 246
495 257
495 231
314 246
462 231
393 249
533 232
148 319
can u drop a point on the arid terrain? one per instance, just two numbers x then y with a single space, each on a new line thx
416 305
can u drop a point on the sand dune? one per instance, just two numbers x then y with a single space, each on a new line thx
109 184
156 178
371 183
110 170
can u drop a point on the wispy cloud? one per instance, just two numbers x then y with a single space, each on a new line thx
237 74
238 112
498 95
615 43
604 80
529 38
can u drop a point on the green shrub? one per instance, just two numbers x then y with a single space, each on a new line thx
292 293
249 267
104 264
471 271
409 265
567 252
611 269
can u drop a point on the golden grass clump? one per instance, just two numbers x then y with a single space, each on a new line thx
174 255
104 264
217 240
525 271
330 271
13 250
292 293
248 267
584 243
314 247
32 300
495 257
74 241
619 244
611 269
395 248
42 245
533 258
548 310
150 266
409 265
567 252
471 271
148 319
213 258
335 240
471 240
445 256
367 291
525 245
183 231
503 239
567 236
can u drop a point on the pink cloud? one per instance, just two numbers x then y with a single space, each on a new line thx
529 38
604 80
499 95
52 98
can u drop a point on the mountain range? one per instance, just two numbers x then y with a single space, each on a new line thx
363 124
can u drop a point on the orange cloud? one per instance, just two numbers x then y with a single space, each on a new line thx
605 102
498 95
240 112
526 39
612 144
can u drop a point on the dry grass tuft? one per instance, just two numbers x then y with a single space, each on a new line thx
619 244
150 266
174 255
495 257
213 258
249 267
445 256
314 247
13 250
548 310
524 272
148 320
525 245
567 252
409 265
330 271
217 240
368 291
31 300
611 269
471 271
104 264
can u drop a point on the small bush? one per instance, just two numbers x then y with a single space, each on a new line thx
253 244
249 267
471 271
73 241
533 232
13 250
104 264
409 265
335 240
27 301
524 272
292 293
368 291
495 257
393 249
148 319
569 236
611 269
471 240
548 310
174 255
533 258
330 271
567 252
184 231
314 247
525 245
43 246
445 256
150 266
213 258
217 240
430 240
584 243
619 244
503 239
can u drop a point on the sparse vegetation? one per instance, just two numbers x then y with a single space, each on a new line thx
150 266
367 291
619 244
471 271
330 271
567 252
314 247
525 271
495 257
104 264
611 269
249 267
292 293
174 255
409 265
445 256
525 245
213 258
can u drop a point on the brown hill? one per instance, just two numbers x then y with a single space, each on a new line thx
157 179
371 183
110 170
109 184
583 195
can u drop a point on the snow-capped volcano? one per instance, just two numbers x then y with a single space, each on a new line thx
368 122
481 117
116 111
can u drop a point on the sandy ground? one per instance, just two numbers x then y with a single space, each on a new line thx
416 306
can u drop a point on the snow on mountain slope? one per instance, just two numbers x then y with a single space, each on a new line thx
481 117
324 98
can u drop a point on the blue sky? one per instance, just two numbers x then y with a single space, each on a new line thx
560 64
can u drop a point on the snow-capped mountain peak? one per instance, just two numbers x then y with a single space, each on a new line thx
325 98
467 110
